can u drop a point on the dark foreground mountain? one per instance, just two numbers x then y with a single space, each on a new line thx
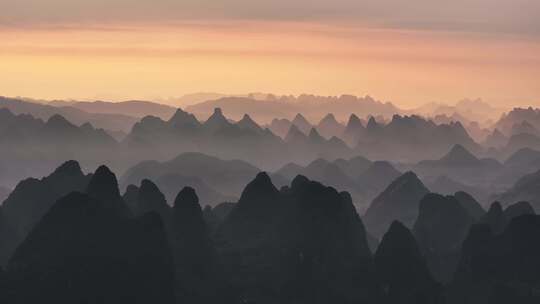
303 244
498 219
441 227
501 268
32 198
402 269
4 193
87 250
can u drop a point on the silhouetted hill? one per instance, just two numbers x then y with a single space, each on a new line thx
32 198
525 189
313 107
461 165
329 126
497 218
378 177
280 127
401 138
198 276
441 227
305 241
447 186
150 199
496 139
354 131
500 268
32 147
133 108
402 269
517 116
218 178
474 209
302 123
399 201
524 127
113 122
81 251
329 173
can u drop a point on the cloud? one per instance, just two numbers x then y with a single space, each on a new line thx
496 16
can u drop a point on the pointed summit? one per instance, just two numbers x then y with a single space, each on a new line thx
261 188
182 118
103 185
329 126
69 169
151 199
295 135
247 123
494 218
216 121
315 137
301 123
402 269
399 201
372 124
58 121
354 124
459 156
187 199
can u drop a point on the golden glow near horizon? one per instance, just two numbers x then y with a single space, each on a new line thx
144 61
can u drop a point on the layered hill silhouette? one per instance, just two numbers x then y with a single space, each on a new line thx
401 137
362 178
75 238
313 107
399 202
459 164
105 120
305 240
133 108
216 180
33 147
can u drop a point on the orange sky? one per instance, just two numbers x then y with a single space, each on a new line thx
141 60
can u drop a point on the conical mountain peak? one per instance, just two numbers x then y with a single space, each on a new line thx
181 117
459 155
69 168
260 187
314 135
187 199
248 123
329 118
295 134
58 120
354 122
103 185
216 120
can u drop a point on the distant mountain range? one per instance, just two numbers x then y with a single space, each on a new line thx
107 121
311 106
133 108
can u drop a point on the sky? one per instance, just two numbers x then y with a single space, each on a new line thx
407 52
